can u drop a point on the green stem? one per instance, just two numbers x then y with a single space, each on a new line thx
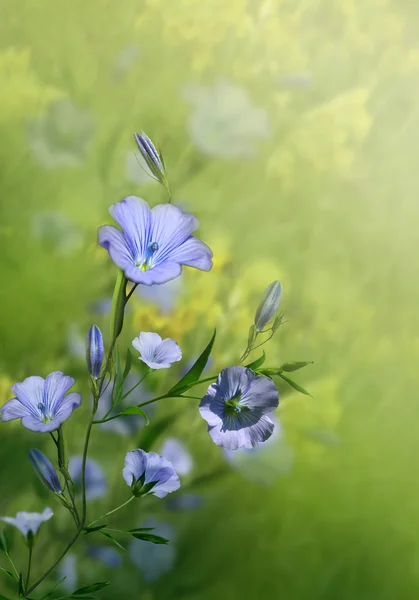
112 511
62 464
29 566
136 385
13 565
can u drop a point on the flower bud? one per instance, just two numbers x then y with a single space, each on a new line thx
152 157
45 471
94 351
268 305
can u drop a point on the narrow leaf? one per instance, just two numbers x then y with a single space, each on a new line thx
140 529
4 544
51 592
89 589
88 530
194 372
20 585
3 597
113 540
149 537
134 410
9 573
295 385
257 363
288 367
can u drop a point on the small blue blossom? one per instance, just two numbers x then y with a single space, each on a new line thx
68 569
94 351
236 407
164 295
224 122
176 453
149 473
45 471
42 404
154 243
155 352
154 560
28 522
152 157
108 556
268 305
96 485
181 502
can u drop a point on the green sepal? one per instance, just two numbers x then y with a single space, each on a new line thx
118 305
147 537
297 387
256 363
134 410
88 530
112 539
293 365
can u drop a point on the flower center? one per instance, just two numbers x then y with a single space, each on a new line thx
233 405
145 265
43 410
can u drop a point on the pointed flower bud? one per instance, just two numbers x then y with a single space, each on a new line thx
45 471
152 157
94 351
268 305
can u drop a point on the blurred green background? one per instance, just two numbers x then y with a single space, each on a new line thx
291 129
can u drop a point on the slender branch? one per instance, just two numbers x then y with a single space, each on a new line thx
111 512
29 566
130 293
136 385
13 564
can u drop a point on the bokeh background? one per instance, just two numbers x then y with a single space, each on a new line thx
291 129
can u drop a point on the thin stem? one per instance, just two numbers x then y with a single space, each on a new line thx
112 511
132 290
29 566
62 463
136 385
13 564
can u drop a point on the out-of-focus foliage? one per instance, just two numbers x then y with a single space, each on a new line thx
290 127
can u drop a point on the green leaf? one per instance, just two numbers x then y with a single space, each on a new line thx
128 364
194 372
293 365
257 363
20 585
51 592
295 385
133 410
118 305
112 539
148 537
89 589
140 529
4 544
88 530
3 597
9 573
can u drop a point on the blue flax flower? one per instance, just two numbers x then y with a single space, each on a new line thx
96 485
236 407
154 560
149 473
28 522
45 471
155 352
94 351
176 453
42 404
154 243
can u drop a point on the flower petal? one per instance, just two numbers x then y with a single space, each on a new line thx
246 437
56 385
13 409
261 394
193 253
117 245
135 466
30 392
212 406
146 343
234 380
171 227
67 405
134 216
167 353
160 274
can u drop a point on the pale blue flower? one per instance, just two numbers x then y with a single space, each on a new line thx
42 404
28 522
45 471
236 407
94 351
154 560
62 136
68 569
154 243
96 485
155 352
224 122
108 556
176 453
149 473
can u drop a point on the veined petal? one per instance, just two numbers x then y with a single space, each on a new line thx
171 227
117 245
262 394
67 405
135 466
247 437
134 216
160 274
212 406
193 253
13 409
30 392
168 352
56 385
146 343
234 380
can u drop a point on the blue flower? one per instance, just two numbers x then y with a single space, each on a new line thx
154 243
176 453
236 408
41 403
28 522
149 473
108 556
155 352
184 502
96 486
268 305
164 295
68 569
94 351
45 471
224 122
154 559
129 424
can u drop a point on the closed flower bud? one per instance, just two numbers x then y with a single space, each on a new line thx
268 305
152 157
94 351
45 471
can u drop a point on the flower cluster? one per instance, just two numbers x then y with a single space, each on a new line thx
150 248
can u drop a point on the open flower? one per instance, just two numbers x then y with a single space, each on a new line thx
28 522
149 473
177 454
154 243
96 485
45 471
236 407
42 404
155 352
